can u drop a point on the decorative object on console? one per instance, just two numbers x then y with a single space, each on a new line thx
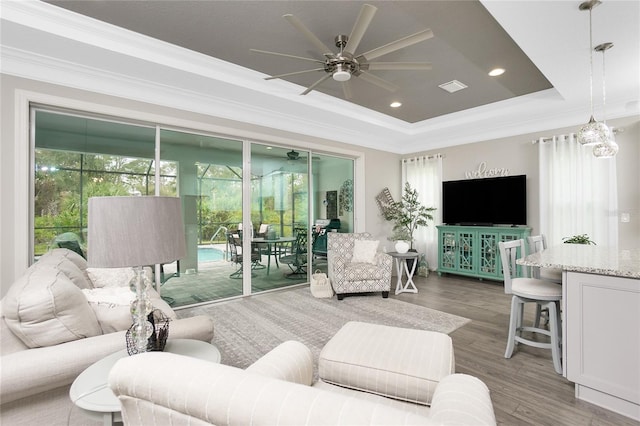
136 232
608 148
407 215
594 132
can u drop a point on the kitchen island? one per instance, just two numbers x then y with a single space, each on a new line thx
601 322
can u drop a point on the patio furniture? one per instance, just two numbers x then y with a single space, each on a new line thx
297 260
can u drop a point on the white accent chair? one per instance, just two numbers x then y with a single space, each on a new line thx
525 290
347 276
536 244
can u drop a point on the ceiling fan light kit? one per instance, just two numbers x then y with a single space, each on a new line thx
345 64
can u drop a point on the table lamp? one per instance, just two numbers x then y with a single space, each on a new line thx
135 232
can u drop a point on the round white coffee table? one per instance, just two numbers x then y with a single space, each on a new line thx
90 391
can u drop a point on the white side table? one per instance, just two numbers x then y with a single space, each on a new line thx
90 391
402 268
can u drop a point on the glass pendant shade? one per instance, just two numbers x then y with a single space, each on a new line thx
594 132
607 149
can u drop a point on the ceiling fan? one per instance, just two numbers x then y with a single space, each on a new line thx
346 64
293 155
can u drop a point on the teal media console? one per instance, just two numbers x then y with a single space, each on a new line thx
473 250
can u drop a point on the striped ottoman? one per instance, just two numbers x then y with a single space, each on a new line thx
398 363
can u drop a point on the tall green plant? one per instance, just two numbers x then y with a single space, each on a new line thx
407 215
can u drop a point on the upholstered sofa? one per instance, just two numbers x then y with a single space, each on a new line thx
55 321
277 390
356 266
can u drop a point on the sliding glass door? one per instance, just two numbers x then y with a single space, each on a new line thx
79 156
280 216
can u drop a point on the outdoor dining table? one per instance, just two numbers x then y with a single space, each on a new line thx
272 247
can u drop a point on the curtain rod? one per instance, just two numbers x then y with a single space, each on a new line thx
546 139
424 157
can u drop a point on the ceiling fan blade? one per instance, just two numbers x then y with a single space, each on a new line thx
346 90
398 66
273 77
286 55
313 86
378 81
360 27
397 45
324 50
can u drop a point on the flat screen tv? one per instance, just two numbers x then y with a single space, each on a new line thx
488 201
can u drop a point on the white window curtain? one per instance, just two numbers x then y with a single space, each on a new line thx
425 175
578 192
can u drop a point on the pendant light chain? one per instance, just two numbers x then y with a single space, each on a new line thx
591 60
604 91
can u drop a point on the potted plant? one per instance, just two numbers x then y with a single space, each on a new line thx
578 239
407 215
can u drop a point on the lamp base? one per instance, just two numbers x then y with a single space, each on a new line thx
158 339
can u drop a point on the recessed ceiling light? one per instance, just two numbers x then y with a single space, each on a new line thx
269 147
496 72
395 104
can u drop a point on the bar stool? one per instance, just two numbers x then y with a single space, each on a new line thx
536 244
530 290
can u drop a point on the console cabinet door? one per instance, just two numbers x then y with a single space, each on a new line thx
466 251
474 250
448 243
489 259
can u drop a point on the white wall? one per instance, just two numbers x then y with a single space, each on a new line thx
374 169
520 156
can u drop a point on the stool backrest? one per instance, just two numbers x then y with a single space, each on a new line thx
510 251
536 243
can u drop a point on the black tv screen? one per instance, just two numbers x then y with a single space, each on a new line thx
489 201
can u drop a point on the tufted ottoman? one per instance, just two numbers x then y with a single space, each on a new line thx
398 363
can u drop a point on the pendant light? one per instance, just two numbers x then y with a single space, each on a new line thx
594 132
608 148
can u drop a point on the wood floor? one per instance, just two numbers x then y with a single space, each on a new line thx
525 389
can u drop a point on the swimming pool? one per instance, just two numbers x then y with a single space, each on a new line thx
209 254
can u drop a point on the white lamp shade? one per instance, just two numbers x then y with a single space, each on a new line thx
134 231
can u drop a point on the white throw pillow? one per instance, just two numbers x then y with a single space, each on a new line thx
364 251
112 306
69 263
114 277
45 308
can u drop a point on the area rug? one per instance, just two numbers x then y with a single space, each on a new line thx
246 329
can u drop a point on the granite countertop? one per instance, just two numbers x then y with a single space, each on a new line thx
587 258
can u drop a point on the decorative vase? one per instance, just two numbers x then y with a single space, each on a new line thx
423 267
402 246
